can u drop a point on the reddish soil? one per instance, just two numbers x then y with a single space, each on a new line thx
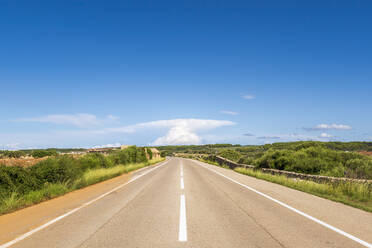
365 153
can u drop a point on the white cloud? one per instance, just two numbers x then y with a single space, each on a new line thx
289 137
229 112
181 131
117 144
79 120
11 146
329 127
249 97
173 131
179 136
269 137
325 135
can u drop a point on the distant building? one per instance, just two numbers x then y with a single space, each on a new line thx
155 153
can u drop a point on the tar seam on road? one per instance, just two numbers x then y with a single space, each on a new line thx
182 234
23 236
362 242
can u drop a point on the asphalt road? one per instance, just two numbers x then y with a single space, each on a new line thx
185 203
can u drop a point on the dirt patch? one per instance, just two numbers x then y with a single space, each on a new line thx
365 153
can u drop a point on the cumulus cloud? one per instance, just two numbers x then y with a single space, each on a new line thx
179 136
328 127
227 112
249 97
79 120
181 131
175 131
325 135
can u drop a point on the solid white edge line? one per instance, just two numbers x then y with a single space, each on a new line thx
362 242
25 235
182 234
182 184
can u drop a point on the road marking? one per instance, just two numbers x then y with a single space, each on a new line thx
362 242
182 234
182 184
23 236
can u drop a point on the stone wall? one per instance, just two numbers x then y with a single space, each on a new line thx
315 178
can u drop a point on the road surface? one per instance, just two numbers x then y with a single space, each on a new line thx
186 203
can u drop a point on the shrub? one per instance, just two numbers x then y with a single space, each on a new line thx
13 154
17 179
131 154
95 160
149 152
43 153
57 170
230 154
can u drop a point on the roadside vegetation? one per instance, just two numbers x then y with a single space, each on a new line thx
337 159
358 195
57 175
38 153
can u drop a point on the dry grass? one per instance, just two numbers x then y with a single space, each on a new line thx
24 161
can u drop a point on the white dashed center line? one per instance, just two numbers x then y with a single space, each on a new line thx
182 234
182 184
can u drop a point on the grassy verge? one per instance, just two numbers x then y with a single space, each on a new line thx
49 191
353 194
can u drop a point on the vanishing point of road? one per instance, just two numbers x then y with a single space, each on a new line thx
187 203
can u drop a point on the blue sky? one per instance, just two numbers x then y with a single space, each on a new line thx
94 73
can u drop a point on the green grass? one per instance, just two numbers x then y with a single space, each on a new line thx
98 175
16 201
49 191
353 194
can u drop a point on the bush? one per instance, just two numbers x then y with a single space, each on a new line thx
16 179
230 154
57 170
359 168
13 154
43 153
149 152
130 155
318 160
95 160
